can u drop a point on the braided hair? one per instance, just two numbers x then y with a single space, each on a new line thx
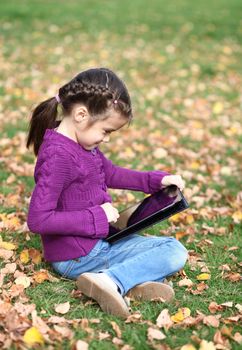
99 89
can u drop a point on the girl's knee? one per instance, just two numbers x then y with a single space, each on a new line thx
178 255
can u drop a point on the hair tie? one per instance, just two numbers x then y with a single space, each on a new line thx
57 97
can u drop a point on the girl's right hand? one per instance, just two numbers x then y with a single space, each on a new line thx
111 212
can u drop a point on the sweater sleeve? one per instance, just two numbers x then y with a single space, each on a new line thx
128 179
52 177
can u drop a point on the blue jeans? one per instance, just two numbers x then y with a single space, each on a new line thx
129 261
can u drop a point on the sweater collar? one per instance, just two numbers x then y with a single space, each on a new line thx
53 135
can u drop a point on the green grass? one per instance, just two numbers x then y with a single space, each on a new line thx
168 53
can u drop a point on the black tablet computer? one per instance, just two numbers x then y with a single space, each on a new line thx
151 210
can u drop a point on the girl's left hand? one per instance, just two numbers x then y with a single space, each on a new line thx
173 180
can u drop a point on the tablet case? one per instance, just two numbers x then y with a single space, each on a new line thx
153 209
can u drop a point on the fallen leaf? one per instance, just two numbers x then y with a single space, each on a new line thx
232 276
164 319
239 307
117 341
214 307
65 331
188 347
81 345
35 255
238 337
116 329
23 280
181 315
227 304
205 345
237 216
7 245
155 334
203 277
211 320
9 268
62 308
160 153
41 276
33 336
24 256
186 282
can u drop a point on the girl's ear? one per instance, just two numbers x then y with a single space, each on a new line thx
80 114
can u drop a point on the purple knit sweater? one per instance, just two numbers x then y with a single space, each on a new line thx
71 184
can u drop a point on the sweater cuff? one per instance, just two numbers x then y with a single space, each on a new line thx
155 178
100 221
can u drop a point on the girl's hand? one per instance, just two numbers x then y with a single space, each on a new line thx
111 212
173 180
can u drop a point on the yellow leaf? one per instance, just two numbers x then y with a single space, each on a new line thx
218 108
189 219
24 256
175 218
181 315
237 216
195 165
203 277
188 347
33 336
205 345
7 245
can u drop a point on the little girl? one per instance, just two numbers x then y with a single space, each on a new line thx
70 206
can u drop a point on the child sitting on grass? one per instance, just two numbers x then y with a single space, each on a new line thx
70 206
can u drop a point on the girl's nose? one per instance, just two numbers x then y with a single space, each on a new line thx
106 138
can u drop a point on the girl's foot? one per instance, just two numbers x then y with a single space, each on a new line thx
151 290
96 286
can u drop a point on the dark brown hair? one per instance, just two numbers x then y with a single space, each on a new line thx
98 89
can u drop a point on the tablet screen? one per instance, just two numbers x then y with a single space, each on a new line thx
148 206
152 204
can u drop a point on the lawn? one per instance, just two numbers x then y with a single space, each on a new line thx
181 61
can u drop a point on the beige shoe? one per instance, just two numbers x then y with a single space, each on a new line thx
109 299
152 290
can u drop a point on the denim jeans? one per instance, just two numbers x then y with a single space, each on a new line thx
129 261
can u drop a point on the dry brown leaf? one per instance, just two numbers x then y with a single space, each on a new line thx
117 341
211 320
9 268
153 333
62 308
35 255
41 276
164 319
65 331
214 307
103 335
116 329
81 345
232 276
186 282
238 337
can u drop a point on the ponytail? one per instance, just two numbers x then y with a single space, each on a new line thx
43 117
